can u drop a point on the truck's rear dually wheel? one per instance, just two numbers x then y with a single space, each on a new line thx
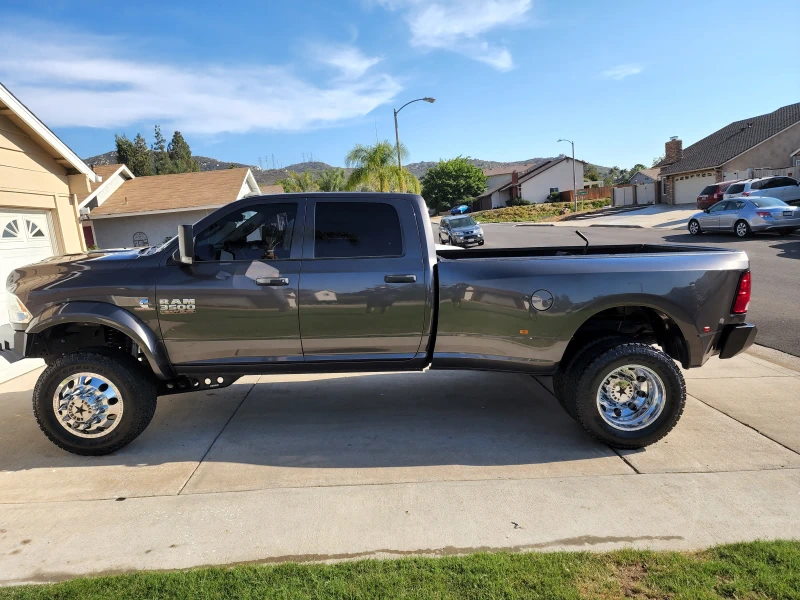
630 396
92 404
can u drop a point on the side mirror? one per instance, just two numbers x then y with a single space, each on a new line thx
708 210
185 244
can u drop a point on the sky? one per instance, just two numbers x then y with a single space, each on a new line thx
265 82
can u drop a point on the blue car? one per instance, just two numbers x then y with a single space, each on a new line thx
459 210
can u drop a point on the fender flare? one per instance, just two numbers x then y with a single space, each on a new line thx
103 313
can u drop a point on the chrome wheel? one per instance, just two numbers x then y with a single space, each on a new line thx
742 229
694 227
87 405
631 397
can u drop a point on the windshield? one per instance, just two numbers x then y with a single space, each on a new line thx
767 202
462 222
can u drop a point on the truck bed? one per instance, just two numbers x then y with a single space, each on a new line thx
592 250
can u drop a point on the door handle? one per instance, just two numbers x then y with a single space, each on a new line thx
274 281
400 278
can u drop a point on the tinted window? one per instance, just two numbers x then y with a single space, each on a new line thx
708 190
254 233
784 181
356 229
760 185
736 188
718 207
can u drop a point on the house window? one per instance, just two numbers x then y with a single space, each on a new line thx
140 239
554 190
34 231
11 230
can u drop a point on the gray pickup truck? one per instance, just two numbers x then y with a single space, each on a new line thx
301 283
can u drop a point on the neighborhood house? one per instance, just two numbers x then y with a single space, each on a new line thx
125 210
534 184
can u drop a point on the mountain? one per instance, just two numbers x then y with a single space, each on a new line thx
271 176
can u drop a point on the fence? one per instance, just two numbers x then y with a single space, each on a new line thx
594 193
642 193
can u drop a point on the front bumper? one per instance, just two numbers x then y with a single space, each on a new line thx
12 343
736 339
469 240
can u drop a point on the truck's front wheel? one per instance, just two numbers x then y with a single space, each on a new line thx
93 404
630 396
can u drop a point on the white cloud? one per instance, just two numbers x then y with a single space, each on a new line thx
621 71
462 25
348 60
79 80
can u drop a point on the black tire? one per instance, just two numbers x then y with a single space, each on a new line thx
742 229
134 383
674 397
565 380
694 227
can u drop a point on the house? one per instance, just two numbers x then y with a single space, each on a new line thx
41 180
645 176
502 175
534 184
764 145
126 211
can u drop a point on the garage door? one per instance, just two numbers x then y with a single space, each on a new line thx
688 187
25 238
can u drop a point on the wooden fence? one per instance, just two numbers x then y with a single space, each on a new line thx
593 193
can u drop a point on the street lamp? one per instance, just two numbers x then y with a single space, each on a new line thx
396 131
574 184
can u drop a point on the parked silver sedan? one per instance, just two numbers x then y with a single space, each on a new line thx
744 216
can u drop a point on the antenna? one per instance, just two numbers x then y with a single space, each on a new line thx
584 238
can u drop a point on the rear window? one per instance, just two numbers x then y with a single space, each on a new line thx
736 188
356 230
767 202
708 190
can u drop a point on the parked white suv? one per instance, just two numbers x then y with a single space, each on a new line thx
782 188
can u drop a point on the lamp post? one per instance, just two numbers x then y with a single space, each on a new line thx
397 132
574 184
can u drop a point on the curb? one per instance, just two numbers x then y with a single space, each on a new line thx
623 226
782 359
19 368
533 225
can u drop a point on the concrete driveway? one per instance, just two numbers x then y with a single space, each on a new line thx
344 466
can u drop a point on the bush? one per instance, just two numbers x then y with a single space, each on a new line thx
518 202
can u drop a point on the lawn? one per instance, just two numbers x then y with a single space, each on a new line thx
534 213
755 570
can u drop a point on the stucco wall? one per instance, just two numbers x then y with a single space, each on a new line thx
118 232
32 179
536 189
774 153
496 180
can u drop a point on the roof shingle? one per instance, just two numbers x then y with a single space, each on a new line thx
730 141
171 192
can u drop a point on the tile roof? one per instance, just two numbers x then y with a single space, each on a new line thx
171 192
730 141
651 173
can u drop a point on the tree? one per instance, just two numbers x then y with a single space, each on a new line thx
634 170
181 155
162 163
298 182
657 160
375 169
590 173
125 149
331 180
452 182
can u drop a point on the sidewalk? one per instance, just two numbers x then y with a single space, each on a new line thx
658 216
344 466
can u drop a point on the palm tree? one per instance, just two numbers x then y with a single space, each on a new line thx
331 180
298 182
375 168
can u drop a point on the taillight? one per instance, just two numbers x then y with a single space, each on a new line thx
745 193
742 300
764 214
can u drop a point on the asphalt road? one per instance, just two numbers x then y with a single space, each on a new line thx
775 263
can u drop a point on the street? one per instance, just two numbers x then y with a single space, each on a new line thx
776 279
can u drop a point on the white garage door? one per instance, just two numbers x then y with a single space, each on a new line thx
25 238
688 187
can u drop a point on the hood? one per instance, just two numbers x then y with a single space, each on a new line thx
467 229
69 266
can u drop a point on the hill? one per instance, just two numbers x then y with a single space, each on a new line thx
271 176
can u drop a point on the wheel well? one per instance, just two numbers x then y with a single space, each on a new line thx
67 338
636 323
